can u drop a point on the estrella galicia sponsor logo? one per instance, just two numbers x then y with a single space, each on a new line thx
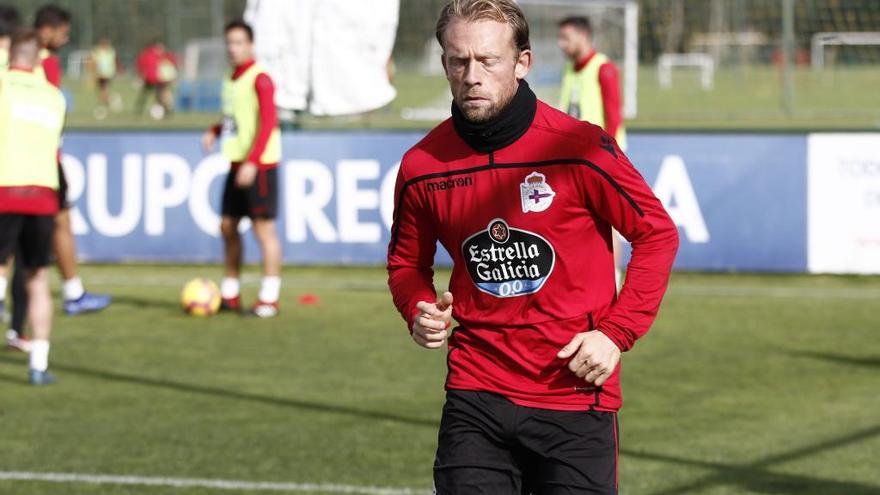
508 262
442 185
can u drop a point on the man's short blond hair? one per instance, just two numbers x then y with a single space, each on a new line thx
506 11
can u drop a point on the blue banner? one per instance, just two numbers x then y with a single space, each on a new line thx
739 200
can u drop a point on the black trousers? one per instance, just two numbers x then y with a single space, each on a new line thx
489 445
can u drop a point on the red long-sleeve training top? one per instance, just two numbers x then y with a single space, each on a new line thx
52 69
149 60
529 230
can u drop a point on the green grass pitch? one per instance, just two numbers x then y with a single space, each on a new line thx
749 98
747 384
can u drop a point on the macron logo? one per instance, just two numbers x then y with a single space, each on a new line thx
450 183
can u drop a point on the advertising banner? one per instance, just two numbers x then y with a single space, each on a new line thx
739 200
844 203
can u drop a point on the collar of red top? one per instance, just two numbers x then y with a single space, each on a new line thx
239 70
584 60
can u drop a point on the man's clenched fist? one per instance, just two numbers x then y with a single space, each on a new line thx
431 327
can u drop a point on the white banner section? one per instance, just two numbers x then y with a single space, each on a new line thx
843 203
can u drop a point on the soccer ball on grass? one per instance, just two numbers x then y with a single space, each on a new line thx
200 297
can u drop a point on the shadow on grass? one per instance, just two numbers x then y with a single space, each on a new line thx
870 361
755 477
238 395
146 302
20 379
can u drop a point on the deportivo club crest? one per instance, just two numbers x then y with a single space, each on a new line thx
535 193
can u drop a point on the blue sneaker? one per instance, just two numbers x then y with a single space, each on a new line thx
40 378
87 303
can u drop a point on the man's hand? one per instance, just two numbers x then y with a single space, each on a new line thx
593 356
246 175
208 141
430 329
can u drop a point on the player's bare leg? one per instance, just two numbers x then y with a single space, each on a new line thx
65 245
4 269
40 314
270 248
230 287
165 98
104 94
11 334
76 299
15 336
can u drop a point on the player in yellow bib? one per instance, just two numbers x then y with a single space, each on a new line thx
31 119
103 62
251 140
590 80
591 89
9 22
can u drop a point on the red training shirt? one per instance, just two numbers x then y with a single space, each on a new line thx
529 231
148 61
52 69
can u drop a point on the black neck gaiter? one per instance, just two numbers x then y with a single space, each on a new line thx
503 129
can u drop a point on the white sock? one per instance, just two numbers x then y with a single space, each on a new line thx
229 288
3 284
39 355
73 289
270 289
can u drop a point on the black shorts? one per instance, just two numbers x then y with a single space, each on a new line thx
489 445
63 203
260 200
28 235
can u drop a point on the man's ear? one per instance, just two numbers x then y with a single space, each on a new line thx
523 64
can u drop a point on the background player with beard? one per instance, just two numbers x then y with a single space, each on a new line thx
591 87
52 24
533 385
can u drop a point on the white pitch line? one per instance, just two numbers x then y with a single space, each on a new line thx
219 484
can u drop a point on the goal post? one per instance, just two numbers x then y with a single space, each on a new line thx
819 41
